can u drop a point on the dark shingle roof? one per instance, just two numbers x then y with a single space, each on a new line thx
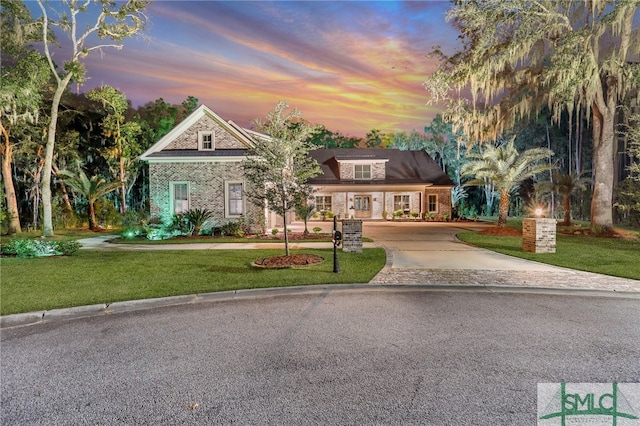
402 167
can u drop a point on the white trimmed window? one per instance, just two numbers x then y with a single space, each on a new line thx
235 199
432 203
206 141
323 203
179 197
362 171
400 202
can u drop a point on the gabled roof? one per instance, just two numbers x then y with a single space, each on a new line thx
401 167
236 131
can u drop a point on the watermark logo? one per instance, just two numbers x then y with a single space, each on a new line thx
614 404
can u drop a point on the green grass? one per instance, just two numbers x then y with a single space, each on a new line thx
322 238
609 256
92 277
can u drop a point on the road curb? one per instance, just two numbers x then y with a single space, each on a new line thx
55 315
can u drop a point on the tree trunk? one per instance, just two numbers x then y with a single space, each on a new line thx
93 223
123 189
9 188
603 162
38 195
47 225
503 208
286 234
65 194
567 210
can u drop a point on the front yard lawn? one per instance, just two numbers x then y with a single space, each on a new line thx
609 256
92 277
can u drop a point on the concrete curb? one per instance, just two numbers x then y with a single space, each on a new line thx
56 315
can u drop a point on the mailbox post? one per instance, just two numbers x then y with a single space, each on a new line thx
336 237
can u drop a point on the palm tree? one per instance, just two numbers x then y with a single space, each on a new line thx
565 184
304 211
197 218
506 169
92 189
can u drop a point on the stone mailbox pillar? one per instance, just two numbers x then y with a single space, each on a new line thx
539 235
352 235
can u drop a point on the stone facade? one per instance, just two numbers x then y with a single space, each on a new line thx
347 170
352 236
443 203
539 235
382 202
189 138
206 185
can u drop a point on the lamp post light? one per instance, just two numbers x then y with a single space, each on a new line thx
539 211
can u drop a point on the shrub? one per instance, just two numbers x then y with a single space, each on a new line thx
230 228
274 231
415 215
317 229
398 213
106 213
196 218
180 225
68 247
25 248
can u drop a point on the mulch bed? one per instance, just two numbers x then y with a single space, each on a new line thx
288 261
609 233
502 231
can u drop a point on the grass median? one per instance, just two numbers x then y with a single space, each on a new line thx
609 256
92 277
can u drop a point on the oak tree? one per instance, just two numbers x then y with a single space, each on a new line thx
520 56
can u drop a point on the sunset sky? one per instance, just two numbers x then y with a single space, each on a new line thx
350 65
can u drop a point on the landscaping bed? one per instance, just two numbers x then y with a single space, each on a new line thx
276 262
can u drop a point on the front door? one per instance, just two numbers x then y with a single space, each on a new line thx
362 204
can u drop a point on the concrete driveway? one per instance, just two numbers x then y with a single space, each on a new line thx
433 245
428 253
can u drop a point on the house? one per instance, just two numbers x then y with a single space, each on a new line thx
376 183
198 164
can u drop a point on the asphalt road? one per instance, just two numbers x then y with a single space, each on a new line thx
362 356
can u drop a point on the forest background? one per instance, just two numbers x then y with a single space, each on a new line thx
103 142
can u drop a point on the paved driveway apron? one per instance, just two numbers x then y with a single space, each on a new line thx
430 253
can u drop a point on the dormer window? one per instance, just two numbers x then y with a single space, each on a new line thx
362 171
206 141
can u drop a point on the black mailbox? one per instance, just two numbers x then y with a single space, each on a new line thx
337 237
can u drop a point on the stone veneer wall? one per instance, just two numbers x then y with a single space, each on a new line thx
539 235
444 200
206 188
189 139
352 236
378 171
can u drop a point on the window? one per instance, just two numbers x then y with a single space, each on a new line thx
323 203
180 197
432 203
362 171
400 202
235 202
206 141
